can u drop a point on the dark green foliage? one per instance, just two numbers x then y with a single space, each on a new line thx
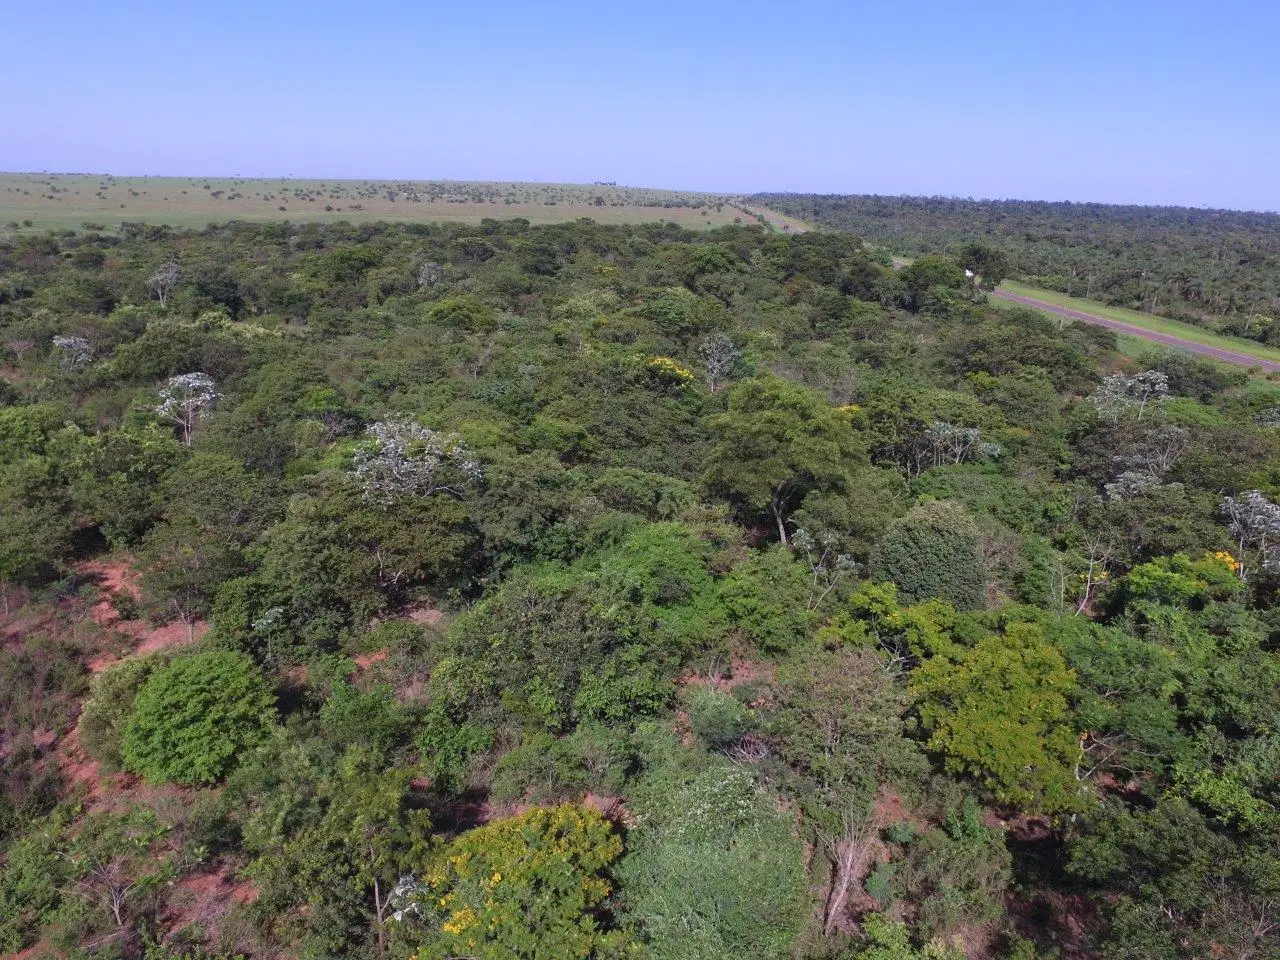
1188 263
933 553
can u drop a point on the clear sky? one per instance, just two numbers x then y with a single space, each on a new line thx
1118 101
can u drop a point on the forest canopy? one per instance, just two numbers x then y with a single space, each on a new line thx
1216 268
587 591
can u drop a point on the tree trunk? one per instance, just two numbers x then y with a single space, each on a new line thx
378 907
776 507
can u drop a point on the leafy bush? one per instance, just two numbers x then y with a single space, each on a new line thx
933 553
999 712
106 712
192 719
534 886
717 718
715 872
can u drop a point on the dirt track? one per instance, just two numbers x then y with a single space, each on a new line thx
1229 356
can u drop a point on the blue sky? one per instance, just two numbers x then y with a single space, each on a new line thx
1121 101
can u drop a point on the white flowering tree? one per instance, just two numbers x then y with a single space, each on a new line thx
719 356
430 274
1119 395
165 280
827 565
187 399
1143 467
1255 526
405 459
942 444
74 353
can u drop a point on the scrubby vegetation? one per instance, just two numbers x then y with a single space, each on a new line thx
577 591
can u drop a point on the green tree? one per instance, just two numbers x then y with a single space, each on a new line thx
934 552
776 443
346 863
105 714
988 265
192 719
534 886
715 871
999 712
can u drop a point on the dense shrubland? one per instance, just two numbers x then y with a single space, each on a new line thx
619 592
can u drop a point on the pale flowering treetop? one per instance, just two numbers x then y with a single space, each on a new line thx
1118 394
74 353
405 459
1255 526
165 280
187 399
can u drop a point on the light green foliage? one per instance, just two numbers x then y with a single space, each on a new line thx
838 722
874 618
765 598
715 872
776 443
192 719
534 886
106 712
933 553
999 712
1181 581
891 940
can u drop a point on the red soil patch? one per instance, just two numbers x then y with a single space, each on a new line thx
40 949
740 672
120 578
78 769
889 810
425 615
1067 921
202 900
365 660
23 622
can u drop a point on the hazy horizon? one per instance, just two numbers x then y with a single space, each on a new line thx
1153 104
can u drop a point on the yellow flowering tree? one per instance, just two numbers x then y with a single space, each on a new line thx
668 373
1000 712
530 887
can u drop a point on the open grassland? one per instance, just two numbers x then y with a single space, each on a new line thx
775 219
1184 331
31 201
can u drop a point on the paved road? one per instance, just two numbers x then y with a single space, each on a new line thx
1230 356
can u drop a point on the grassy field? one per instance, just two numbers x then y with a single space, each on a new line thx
68 201
781 222
1146 321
